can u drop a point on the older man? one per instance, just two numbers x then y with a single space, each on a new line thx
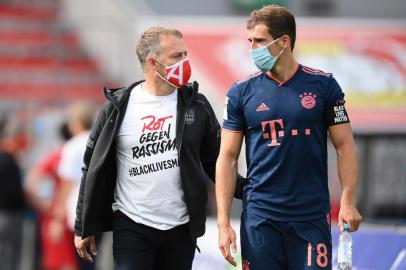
147 161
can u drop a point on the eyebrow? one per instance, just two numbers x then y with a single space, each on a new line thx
256 39
176 54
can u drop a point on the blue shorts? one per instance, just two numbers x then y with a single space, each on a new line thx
278 245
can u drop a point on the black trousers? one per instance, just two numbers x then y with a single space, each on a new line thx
11 225
139 247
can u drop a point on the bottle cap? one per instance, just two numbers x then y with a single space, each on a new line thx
346 227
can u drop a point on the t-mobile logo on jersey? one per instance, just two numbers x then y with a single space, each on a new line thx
274 129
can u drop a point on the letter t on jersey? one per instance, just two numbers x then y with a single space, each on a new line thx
273 129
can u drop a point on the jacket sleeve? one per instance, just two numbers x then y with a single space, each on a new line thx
91 142
210 149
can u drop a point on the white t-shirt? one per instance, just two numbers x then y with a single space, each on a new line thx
149 189
70 169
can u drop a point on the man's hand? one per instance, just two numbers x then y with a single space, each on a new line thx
226 238
350 215
81 245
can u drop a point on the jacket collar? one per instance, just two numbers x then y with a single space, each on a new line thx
118 96
189 92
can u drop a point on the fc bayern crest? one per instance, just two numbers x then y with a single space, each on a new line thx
308 100
190 116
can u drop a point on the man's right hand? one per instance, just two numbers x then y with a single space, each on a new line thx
81 247
227 237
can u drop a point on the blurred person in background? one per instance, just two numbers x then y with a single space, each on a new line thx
80 116
12 204
58 252
17 140
284 112
148 158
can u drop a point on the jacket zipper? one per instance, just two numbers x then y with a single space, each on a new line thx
182 127
182 110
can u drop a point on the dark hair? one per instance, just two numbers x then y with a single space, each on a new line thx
64 131
279 21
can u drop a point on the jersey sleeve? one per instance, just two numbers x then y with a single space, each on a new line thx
233 116
49 164
71 163
335 112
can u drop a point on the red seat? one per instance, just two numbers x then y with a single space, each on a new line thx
46 92
40 62
28 13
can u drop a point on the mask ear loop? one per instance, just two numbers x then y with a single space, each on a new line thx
273 41
165 80
162 77
279 54
267 45
160 64
282 49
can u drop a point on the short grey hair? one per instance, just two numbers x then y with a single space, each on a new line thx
149 43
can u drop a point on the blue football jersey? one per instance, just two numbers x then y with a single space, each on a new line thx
285 130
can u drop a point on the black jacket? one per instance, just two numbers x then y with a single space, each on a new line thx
11 191
197 142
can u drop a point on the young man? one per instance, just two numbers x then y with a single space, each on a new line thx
148 158
284 112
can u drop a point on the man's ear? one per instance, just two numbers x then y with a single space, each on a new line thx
285 41
152 63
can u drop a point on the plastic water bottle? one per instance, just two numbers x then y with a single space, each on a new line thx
345 249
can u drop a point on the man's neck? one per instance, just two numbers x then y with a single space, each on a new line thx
156 86
284 69
78 131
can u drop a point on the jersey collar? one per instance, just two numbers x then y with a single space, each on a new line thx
280 83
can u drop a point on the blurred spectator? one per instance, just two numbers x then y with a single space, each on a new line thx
11 206
80 119
15 138
43 187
